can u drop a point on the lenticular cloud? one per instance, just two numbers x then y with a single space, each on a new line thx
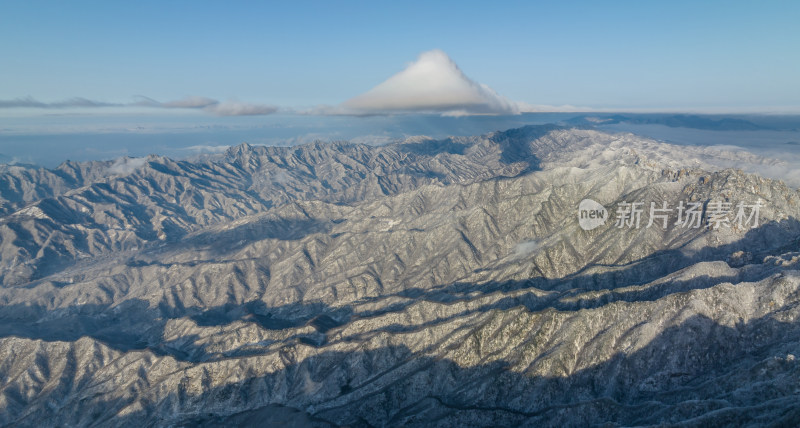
433 83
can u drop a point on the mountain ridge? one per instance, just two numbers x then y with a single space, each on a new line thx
425 282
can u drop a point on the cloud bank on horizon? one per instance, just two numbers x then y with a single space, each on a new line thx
433 84
210 105
30 102
226 108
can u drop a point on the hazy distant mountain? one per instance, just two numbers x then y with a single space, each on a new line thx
428 282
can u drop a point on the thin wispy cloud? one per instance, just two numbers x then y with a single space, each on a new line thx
224 108
191 102
207 148
210 105
29 102
236 108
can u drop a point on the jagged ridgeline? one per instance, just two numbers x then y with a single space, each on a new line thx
426 282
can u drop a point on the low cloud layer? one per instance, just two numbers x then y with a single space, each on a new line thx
190 102
431 84
226 108
29 102
236 108
210 105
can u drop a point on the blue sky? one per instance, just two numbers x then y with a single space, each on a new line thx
711 55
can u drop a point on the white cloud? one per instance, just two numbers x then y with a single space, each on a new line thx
433 83
526 248
126 165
